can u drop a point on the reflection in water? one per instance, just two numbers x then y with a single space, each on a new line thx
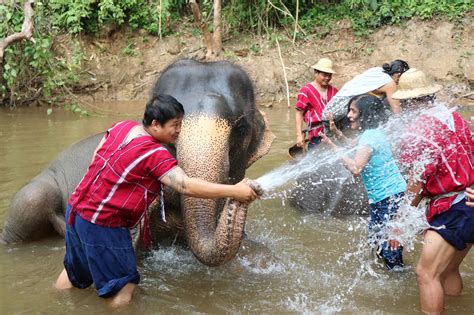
322 263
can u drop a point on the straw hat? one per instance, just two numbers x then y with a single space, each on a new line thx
324 65
413 84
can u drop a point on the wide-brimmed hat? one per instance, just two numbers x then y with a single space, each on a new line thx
413 84
324 65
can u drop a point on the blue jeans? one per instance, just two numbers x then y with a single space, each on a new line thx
379 214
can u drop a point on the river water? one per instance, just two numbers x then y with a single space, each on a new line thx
320 264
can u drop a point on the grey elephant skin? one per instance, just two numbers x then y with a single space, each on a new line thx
223 134
329 188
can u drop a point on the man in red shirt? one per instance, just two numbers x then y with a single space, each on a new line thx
312 99
127 172
439 153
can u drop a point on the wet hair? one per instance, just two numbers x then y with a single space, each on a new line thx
372 112
162 108
396 66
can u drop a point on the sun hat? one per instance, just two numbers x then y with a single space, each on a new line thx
324 65
413 84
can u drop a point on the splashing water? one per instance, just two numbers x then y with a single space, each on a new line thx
410 220
288 172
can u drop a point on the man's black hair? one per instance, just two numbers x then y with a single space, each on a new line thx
372 112
396 66
162 108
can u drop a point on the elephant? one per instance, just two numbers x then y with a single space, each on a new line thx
222 134
328 188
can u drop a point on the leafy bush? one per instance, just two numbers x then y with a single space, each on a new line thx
31 70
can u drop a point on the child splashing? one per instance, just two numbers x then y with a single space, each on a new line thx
382 179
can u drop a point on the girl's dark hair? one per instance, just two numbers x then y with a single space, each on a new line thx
396 66
372 112
162 108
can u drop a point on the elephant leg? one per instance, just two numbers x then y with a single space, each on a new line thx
35 211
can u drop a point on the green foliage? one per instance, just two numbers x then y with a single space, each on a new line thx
33 70
130 50
366 15
90 15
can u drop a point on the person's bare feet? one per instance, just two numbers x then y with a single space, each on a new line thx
63 282
124 296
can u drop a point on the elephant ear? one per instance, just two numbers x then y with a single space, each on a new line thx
262 139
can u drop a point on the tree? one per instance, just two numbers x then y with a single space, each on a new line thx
213 42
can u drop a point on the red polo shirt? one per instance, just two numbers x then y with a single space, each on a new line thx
123 179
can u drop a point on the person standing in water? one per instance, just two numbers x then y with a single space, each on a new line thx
382 179
311 101
378 81
127 172
438 152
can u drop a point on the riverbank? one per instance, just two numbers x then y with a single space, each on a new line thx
123 65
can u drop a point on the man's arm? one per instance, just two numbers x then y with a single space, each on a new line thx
199 188
299 131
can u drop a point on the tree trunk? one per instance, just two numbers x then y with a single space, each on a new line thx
217 35
213 42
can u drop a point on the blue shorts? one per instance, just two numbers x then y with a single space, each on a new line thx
100 255
314 142
458 224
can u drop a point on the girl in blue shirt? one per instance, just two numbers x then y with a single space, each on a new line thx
382 179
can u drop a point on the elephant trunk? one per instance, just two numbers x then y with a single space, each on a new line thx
213 241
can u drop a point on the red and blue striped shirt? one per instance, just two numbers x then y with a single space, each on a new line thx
122 180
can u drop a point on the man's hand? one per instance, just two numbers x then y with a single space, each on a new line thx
469 196
394 245
300 140
243 191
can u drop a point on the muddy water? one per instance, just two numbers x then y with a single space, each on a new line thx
319 267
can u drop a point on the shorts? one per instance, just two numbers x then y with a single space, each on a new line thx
100 255
456 225
314 142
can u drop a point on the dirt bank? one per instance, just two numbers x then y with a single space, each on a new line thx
122 65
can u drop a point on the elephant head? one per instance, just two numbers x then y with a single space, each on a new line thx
223 133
